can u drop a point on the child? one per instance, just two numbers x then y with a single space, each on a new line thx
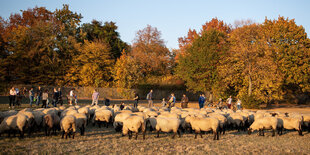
164 103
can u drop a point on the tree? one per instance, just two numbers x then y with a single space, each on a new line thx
198 67
150 52
107 32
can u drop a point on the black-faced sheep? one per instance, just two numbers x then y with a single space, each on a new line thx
205 124
167 125
264 123
134 124
14 123
68 126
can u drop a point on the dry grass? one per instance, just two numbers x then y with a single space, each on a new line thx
107 141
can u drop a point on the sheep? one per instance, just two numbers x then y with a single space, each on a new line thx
86 111
102 116
135 124
15 122
264 123
306 121
68 126
236 120
222 120
68 112
169 115
7 114
290 123
118 121
151 113
205 124
38 118
30 120
81 120
167 125
51 122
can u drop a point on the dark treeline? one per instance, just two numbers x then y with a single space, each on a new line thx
257 62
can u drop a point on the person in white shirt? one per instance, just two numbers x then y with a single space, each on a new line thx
12 97
71 96
229 100
239 104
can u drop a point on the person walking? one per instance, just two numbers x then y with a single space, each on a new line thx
12 97
238 104
229 100
60 101
24 95
184 101
55 97
135 105
39 96
44 98
201 100
172 101
95 98
31 96
71 96
149 98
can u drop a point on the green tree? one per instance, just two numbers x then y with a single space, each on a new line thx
198 67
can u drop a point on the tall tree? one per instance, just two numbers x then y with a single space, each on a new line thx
198 66
107 33
150 52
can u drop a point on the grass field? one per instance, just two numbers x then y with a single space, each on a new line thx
107 141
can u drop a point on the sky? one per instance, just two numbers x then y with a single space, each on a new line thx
172 17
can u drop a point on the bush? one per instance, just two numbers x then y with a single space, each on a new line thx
250 102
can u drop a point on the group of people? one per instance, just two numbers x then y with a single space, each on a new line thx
35 96
229 104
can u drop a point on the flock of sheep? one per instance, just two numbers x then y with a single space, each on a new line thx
138 120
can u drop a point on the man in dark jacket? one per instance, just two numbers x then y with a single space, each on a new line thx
201 100
184 101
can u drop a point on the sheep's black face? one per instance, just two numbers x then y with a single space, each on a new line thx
249 131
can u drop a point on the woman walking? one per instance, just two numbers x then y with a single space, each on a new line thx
12 97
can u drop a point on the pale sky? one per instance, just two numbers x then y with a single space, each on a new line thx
172 17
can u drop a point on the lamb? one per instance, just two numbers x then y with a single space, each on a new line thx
168 125
15 122
205 124
290 123
102 116
118 121
264 123
134 124
81 120
51 122
68 126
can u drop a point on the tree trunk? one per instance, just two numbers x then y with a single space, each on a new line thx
250 86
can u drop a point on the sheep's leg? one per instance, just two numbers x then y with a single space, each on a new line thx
66 133
214 135
224 129
129 135
45 131
21 134
196 133
143 135
107 124
300 132
137 135
63 133
158 134
73 135
179 133
218 136
200 134
174 133
99 124
273 132
263 134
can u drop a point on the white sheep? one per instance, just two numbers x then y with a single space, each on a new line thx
86 111
134 124
103 116
30 120
222 119
118 120
290 123
164 124
81 121
68 126
15 122
264 123
205 124
51 122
